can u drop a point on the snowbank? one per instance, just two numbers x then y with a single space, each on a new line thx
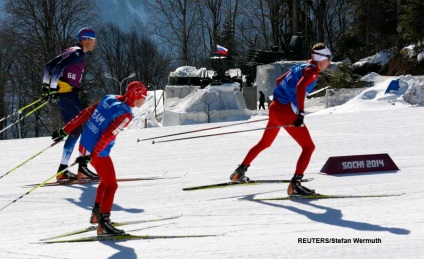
216 103
415 92
410 92
381 58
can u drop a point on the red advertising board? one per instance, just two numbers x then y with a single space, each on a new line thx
359 164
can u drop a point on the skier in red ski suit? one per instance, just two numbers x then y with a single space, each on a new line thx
287 108
105 120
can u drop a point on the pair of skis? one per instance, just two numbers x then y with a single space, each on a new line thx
290 197
250 182
125 237
94 181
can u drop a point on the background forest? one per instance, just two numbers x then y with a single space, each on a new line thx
173 33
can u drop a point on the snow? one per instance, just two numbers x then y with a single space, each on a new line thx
420 56
371 123
381 58
189 71
370 77
187 104
147 114
192 104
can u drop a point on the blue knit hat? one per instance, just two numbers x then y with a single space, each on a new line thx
86 33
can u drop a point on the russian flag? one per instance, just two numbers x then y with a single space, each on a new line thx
221 50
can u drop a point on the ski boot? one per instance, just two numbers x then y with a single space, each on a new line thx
65 175
86 174
296 188
105 226
95 214
238 175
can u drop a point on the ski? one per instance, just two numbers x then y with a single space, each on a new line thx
123 238
328 196
89 181
117 224
250 182
94 181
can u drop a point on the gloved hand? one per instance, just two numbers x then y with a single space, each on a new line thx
59 134
49 94
299 121
83 159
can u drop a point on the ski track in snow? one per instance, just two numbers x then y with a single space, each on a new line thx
253 229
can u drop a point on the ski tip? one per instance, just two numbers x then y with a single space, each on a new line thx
153 142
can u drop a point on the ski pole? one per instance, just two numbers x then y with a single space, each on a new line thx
26 115
193 131
29 105
38 186
29 159
20 110
224 133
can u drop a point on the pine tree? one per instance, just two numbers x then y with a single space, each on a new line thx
411 25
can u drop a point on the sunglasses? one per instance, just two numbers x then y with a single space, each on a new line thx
89 38
329 57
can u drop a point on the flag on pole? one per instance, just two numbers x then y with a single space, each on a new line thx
221 50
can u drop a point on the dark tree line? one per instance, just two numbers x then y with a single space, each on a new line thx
351 28
183 32
36 31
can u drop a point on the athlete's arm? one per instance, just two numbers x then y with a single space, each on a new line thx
82 117
310 74
110 133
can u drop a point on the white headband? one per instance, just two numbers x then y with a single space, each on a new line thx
321 54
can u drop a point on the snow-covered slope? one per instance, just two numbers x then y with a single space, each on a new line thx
253 229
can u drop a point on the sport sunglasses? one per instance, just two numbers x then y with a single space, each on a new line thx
330 57
89 38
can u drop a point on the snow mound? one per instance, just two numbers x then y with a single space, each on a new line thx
380 58
415 93
188 71
216 103
410 92
370 77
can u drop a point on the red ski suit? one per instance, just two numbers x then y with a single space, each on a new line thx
103 165
283 114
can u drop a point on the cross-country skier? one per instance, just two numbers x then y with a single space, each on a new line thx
105 120
287 108
61 84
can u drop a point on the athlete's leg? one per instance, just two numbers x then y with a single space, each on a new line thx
108 184
303 138
69 106
276 118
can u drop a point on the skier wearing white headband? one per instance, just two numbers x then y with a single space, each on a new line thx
287 111
321 54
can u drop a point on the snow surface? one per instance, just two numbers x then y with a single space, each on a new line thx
371 123
381 58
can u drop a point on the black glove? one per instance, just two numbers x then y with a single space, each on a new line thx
49 94
59 134
299 121
83 159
